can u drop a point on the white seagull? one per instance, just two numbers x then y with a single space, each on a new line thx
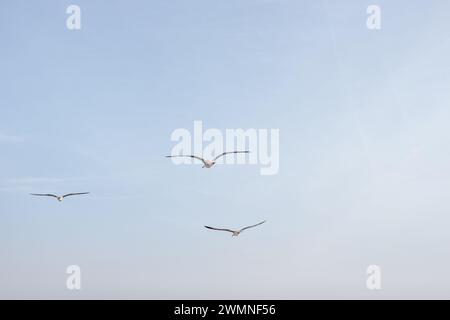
235 233
208 163
60 198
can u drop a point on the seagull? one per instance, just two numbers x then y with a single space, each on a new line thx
208 163
60 198
235 233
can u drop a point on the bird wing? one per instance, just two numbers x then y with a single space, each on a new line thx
188 156
74 194
219 229
44 195
252 226
221 155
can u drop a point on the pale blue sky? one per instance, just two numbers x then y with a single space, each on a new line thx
364 148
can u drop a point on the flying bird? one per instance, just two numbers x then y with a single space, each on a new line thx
235 233
208 163
60 198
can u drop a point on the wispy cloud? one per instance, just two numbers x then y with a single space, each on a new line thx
23 184
30 180
28 184
7 138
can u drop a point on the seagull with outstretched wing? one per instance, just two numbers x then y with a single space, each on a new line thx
235 233
59 198
207 163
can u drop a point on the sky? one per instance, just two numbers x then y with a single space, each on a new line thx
364 149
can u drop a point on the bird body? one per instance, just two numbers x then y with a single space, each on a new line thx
235 233
208 164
